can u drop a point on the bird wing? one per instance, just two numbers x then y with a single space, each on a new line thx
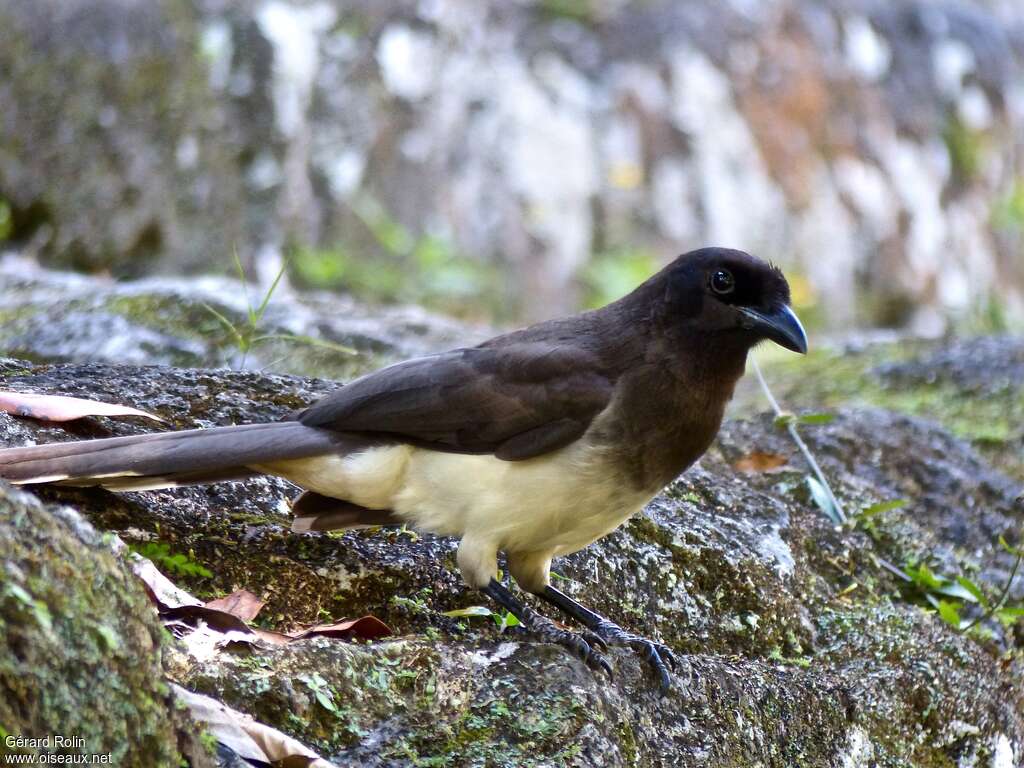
516 401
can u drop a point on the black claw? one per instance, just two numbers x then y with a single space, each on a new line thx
604 633
666 654
665 679
658 656
606 667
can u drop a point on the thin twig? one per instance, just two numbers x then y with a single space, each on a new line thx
791 428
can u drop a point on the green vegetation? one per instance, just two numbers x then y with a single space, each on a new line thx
828 378
1008 211
6 220
614 273
247 334
966 147
950 596
404 268
922 584
502 618
178 564
582 11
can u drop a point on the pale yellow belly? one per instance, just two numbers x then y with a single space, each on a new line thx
559 502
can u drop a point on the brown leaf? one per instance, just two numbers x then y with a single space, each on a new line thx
760 461
365 628
241 603
221 621
61 408
272 637
249 739
229 615
161 590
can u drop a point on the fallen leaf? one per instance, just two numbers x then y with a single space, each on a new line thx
272 637
62 408
471 610
365 628
241 603
203 643
161 590
221 621
248 738
760 461
185 616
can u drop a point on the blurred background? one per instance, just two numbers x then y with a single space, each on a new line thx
506 161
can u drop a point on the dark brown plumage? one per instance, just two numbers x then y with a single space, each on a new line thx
535 442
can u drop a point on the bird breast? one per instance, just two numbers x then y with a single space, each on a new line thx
558 502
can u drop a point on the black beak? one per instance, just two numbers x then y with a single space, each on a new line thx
780 325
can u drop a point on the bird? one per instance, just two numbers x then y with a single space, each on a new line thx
534 443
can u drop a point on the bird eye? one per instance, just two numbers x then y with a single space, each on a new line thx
722 281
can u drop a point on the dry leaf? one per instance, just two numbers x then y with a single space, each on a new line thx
241 603
249 739
760 461
160 589
365 628
221 621
203 643
61 408
272 637
186 616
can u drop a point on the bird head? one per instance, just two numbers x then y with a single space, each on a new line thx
733 295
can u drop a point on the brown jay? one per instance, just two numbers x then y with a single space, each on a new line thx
535 443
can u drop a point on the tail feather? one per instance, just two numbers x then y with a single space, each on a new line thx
169 458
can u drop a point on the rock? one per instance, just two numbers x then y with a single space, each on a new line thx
81 650
799 648
406 150
973 387
55 316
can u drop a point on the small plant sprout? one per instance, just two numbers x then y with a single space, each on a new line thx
178 563
246 335
922 585
503 619
821 491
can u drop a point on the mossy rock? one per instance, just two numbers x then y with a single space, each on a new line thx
48 316
80 646
799 649
973 387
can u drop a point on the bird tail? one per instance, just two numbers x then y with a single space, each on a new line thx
167 459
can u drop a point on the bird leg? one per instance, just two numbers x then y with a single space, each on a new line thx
585 647
610 633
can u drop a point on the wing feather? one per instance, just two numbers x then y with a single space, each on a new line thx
516 401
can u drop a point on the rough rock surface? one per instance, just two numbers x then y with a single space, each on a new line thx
50 316
883 136
973 387
799 649
81 650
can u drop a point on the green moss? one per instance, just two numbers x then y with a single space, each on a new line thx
967 148
943 678
992 421
167 313
79 642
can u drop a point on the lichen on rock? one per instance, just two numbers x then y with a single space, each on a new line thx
799 649
80 647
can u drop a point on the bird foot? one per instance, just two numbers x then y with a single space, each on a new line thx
585 646
657 655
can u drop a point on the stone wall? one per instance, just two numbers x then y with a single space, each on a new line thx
871 147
